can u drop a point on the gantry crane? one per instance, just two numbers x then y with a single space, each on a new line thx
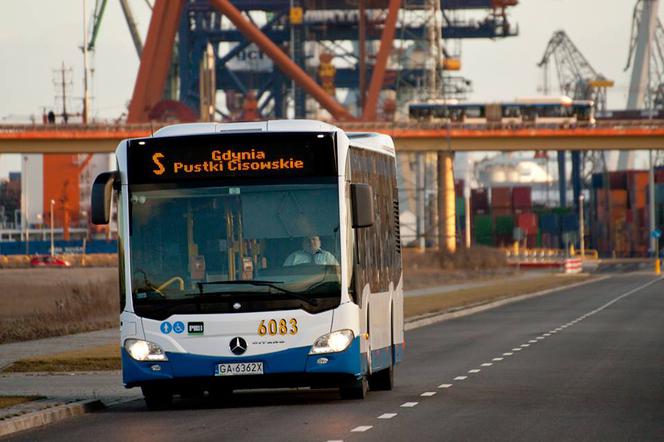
579 80
576 77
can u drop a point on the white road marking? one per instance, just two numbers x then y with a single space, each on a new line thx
444 385
532 341
387 416
497 359
517 349
361 428
525 345
539 338
487 364
460 378
428 393
409 404
547 334
474 370
508 354
336 440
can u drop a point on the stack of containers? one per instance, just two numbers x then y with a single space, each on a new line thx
611 215
501 209
637 215
482 225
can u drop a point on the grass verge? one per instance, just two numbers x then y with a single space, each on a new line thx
103 357
421 305
107 357
10 401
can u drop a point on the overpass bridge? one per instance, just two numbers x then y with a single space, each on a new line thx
408 137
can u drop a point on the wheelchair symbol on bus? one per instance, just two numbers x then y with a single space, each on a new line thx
178 327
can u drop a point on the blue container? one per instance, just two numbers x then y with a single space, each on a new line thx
570 223
659 193
597 180
549 223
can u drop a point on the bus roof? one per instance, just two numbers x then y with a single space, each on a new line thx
249 127
372 141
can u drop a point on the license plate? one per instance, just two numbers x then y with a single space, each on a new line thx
239 369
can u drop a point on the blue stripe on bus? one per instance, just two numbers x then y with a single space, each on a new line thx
294 360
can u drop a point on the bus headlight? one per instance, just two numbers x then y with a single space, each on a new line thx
332 342
144 350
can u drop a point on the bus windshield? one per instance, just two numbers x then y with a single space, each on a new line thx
215 247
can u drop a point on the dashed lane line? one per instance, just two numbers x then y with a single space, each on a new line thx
387 416
361 429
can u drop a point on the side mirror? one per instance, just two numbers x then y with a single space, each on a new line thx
102 194
362 205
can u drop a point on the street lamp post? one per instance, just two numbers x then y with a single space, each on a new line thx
52 241
581 227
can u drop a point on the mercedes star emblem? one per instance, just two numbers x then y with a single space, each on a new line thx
237 306
238 345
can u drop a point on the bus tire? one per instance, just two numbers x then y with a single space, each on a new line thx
382 380
156 398
356 389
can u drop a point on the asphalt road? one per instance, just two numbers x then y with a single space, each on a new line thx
581 364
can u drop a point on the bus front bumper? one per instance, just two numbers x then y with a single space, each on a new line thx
288 368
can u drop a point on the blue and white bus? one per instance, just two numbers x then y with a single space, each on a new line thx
256 255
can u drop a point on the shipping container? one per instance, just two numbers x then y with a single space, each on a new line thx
479 201
549 223
637 187
500 211
501 197
570 223
483 225
460 207
527 222
659 174
459 185
522 198
504 225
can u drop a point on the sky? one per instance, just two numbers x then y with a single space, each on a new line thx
38 36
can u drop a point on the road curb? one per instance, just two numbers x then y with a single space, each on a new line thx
432 318
49 416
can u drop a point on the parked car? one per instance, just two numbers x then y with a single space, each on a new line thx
48 261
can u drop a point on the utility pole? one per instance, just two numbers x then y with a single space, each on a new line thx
86 97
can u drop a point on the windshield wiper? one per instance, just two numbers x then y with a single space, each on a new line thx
259 283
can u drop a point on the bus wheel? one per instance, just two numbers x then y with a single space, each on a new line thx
356 389
156 398
382 380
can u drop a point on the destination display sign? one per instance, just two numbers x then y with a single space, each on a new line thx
218 156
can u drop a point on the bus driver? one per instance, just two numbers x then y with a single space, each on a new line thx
311 253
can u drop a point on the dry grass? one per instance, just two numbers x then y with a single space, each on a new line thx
10 401
39 303
432 268
421 305
76 260
103 357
